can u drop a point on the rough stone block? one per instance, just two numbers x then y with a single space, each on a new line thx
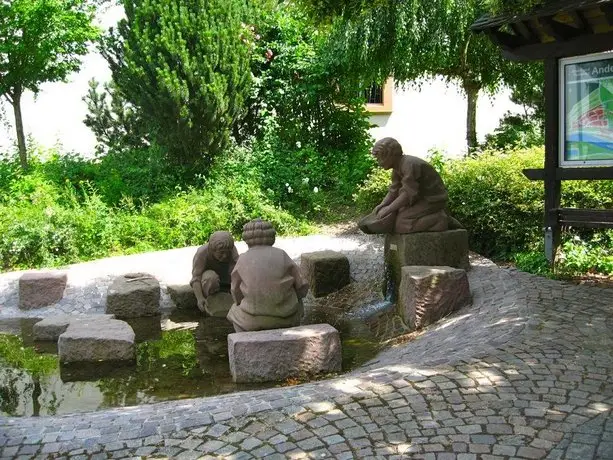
89 342
39 289
427 294
51 327
218 304
265 356
133 295
448 248
325 271
183 296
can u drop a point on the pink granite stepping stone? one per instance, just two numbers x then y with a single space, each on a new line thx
40 289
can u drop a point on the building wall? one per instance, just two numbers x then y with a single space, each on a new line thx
434 116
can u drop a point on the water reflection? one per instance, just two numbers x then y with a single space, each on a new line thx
183 356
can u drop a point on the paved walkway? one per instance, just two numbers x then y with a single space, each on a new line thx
525 372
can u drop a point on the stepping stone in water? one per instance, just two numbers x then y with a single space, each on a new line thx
133 295
40 289
273 355
111 340
325 271
51 327
183 296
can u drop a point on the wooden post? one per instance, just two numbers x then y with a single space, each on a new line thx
552 139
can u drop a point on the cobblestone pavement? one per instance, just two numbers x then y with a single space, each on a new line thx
525 372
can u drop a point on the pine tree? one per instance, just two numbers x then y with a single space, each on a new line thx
184 64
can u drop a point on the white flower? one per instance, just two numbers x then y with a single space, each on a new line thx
315 189
305 180
286 184
290 190
298 144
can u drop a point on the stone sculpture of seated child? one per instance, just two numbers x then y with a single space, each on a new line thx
212 267
267 286
416 199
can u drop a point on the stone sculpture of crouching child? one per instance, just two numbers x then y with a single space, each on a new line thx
212 267
267 286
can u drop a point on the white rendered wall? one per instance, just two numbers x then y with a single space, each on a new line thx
435 117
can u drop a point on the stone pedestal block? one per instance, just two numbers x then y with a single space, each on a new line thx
39 289
183 296
427 294
134 295
325 271
51 327
266 356
448 248
89 342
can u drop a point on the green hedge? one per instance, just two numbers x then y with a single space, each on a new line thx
489 195
48 226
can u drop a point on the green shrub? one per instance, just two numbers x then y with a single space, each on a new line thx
303 180
577 256
373 190
300 180
144 175
311 139
533 262
68 225
500 208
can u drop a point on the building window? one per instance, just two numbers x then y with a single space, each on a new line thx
379 98
374 94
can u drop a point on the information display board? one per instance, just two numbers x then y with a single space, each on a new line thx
586 110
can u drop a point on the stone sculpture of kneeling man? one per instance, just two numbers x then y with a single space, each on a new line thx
212 267
267 286
416 199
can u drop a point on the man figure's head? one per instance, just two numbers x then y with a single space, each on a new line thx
387 151
221 244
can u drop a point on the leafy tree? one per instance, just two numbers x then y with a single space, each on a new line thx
527 80
513 6
297 89
413 39
40 41
185 66
515 130
310 131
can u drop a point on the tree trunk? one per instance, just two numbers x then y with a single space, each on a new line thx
21 139
472 92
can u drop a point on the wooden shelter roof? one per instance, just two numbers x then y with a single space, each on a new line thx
554 29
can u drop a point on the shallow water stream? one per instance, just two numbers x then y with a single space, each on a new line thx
183 356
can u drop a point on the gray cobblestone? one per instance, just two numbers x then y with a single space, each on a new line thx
516 374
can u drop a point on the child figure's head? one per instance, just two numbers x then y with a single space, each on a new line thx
259 232
221 245
387 151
